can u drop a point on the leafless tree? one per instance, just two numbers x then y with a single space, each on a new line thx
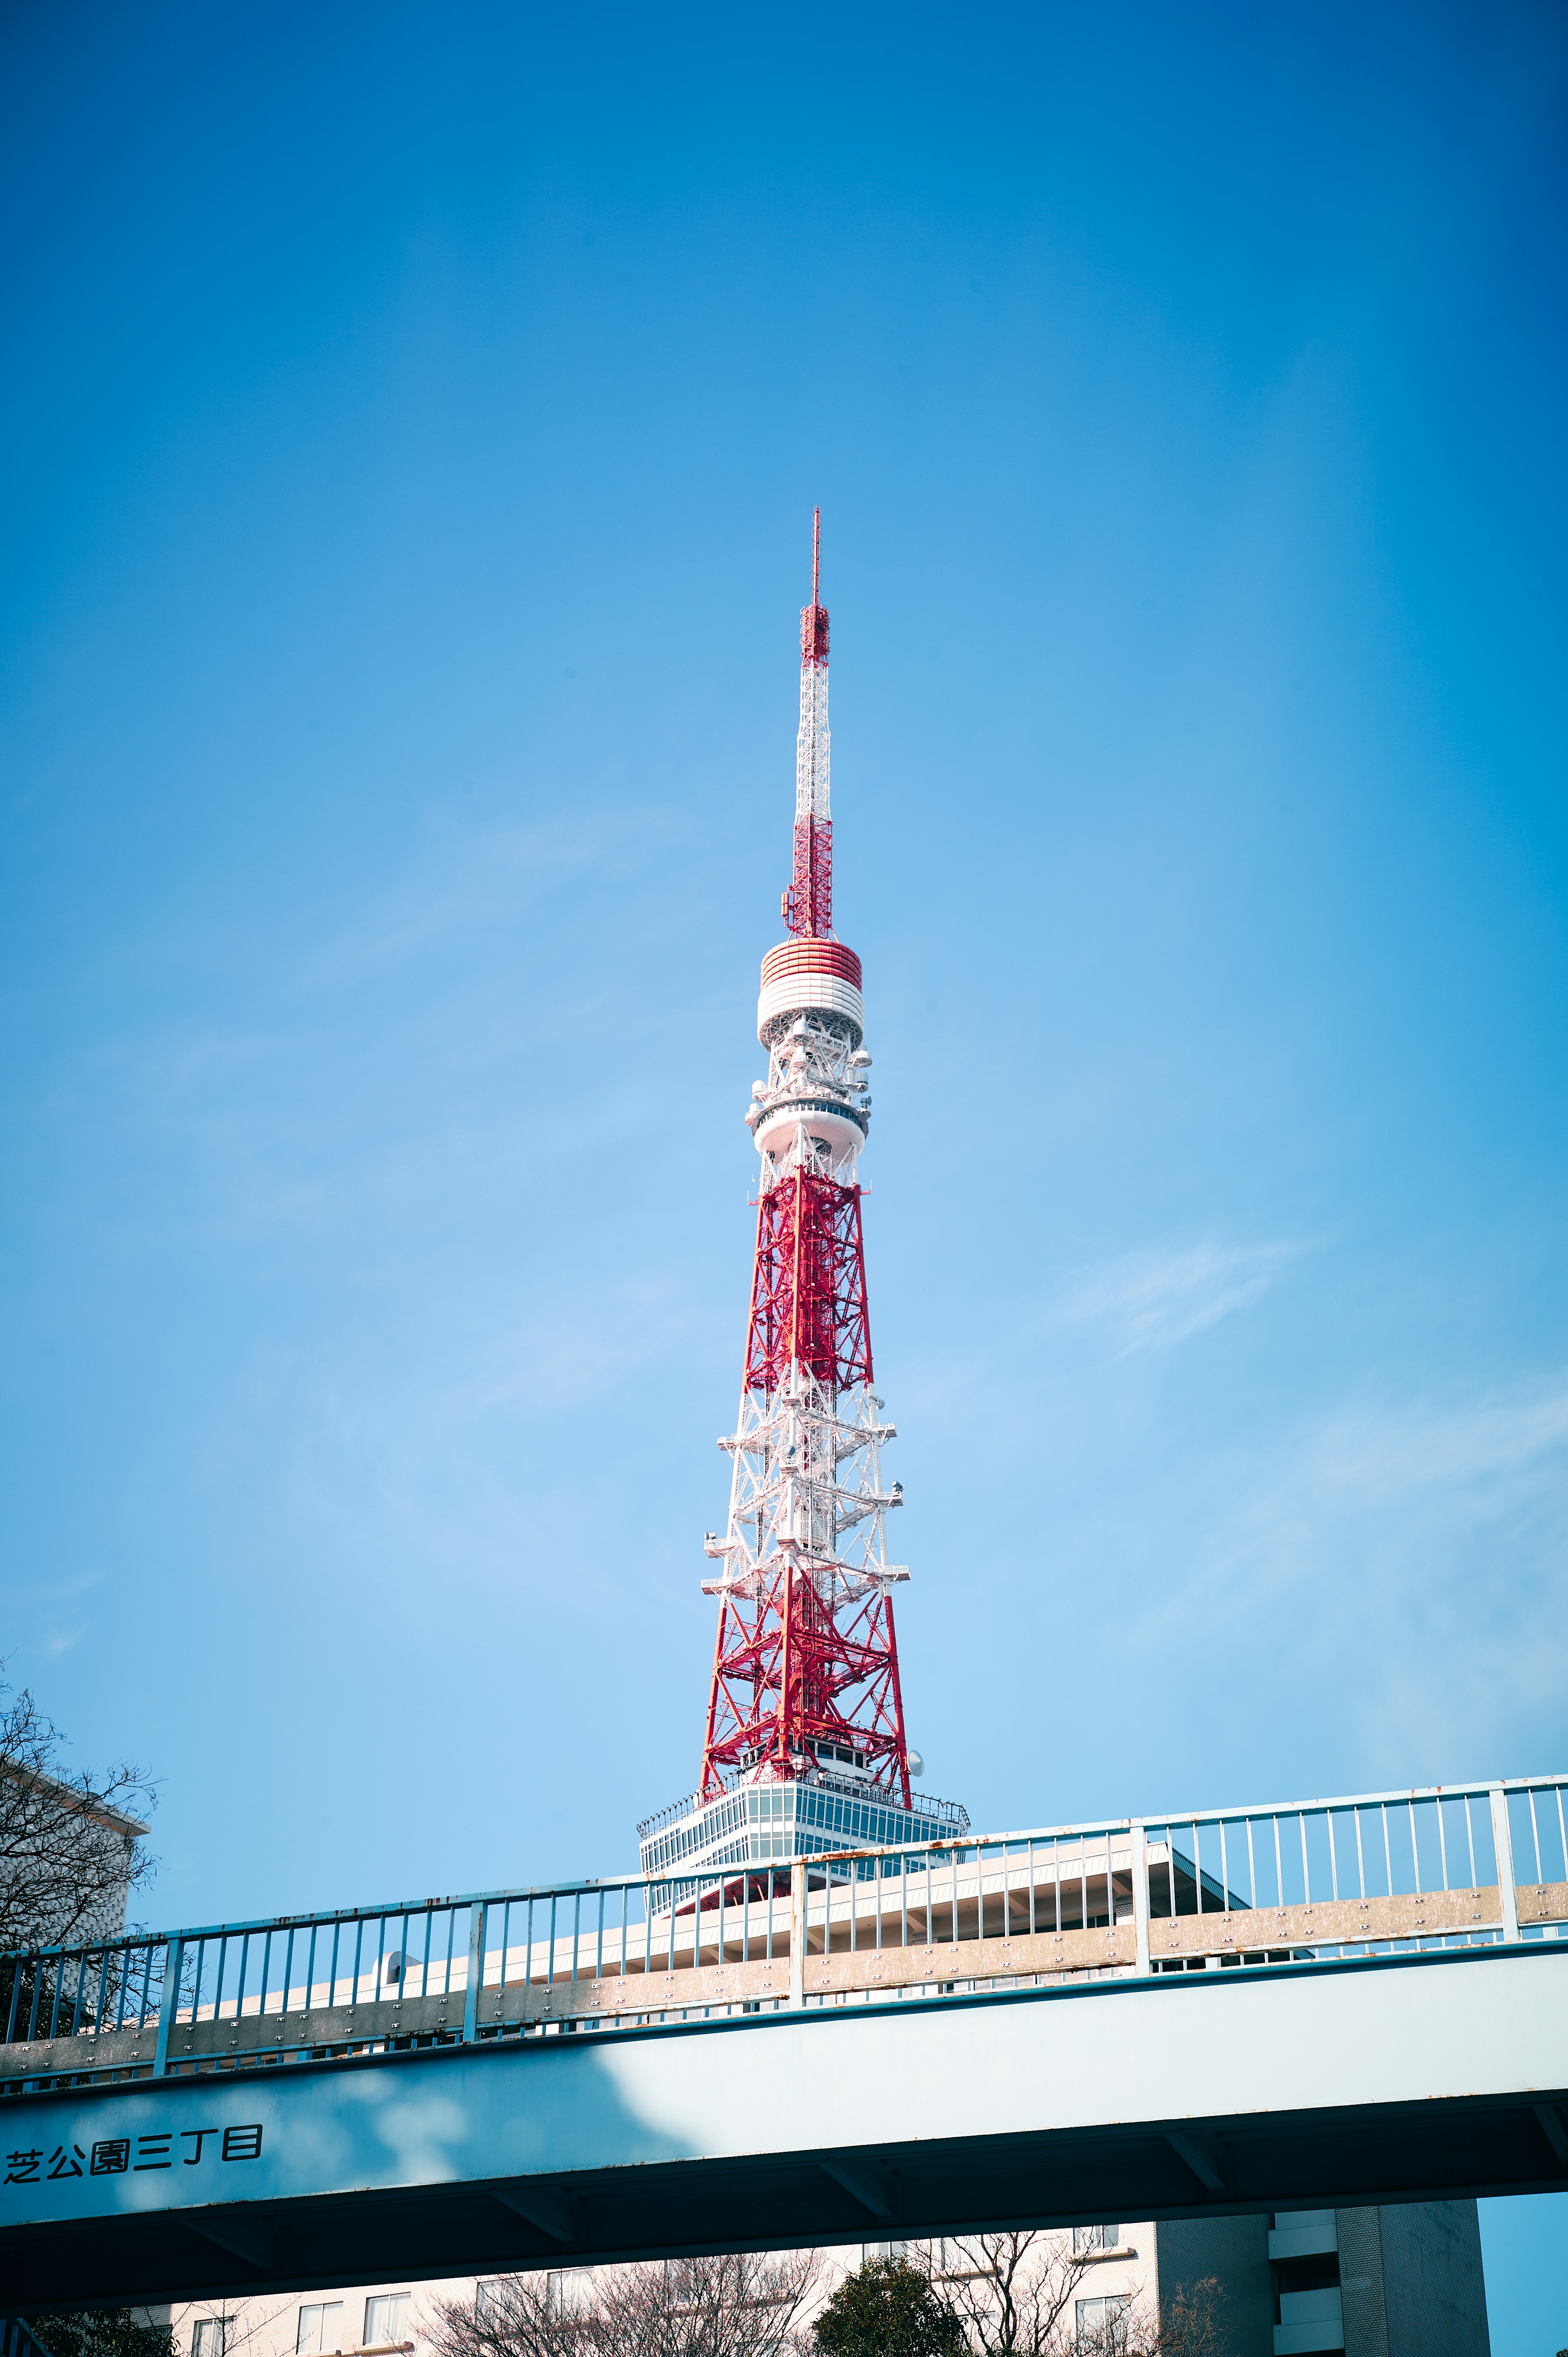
517 2315
1013 2293
247 2324
70 1843
1191 2323
1017 2295
744 2304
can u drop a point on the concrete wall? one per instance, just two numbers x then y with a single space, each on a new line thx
1361 2283
1236 2250
1434 2290
1411 2281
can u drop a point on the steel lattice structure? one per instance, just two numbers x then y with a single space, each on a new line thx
805 1680
808 1288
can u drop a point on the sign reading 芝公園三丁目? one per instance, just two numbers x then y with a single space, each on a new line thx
123 2156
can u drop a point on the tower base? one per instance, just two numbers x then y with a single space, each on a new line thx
753 1824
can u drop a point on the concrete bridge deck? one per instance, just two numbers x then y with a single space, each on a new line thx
923 2060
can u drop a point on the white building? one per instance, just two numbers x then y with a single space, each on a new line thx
67 1864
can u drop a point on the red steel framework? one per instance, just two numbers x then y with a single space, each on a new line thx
782 1669
809 902
806 1655
808 1286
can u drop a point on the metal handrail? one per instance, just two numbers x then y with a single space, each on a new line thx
1092 1829
1475 1790
1092 1897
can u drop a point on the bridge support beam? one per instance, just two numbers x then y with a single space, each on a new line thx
1202 2155
868 2184
544 2210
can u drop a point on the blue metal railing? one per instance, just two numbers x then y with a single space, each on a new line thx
1380 1848
18 2339
1230 1885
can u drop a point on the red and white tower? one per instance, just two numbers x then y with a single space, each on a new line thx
805 1746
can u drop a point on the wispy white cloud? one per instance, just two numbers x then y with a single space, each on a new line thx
34 1601
1405 1559
457 1455
1487 1450
298 1100
467 882
1375 1579
1153 1301
1406 1484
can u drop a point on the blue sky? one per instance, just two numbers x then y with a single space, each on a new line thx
411 423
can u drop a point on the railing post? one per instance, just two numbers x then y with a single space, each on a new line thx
1141 1897
798 1932
475 1974
1502 1843
168 2004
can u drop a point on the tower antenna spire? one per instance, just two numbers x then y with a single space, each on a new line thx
809 903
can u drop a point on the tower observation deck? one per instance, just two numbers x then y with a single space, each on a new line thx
804 1748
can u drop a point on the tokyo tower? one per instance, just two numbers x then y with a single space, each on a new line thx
804 1748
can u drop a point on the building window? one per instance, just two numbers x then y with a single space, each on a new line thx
961 2262
386 2318
1102 2325
319 2328
211 2338
570 2290
1095 2238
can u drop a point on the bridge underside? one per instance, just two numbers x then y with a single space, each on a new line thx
1158 2098
1290 2162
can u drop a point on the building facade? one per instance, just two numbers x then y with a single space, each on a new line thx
66 1862
1390 2281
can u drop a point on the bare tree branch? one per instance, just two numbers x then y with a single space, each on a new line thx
1013 2293
514 2316
246 2321
1017 2296
741 2304
748 2304
1190 2324
71 1844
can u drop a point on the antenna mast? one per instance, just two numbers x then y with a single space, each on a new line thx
807 905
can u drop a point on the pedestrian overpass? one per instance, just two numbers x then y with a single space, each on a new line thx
1327 2004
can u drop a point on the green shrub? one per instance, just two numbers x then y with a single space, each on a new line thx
888 2310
